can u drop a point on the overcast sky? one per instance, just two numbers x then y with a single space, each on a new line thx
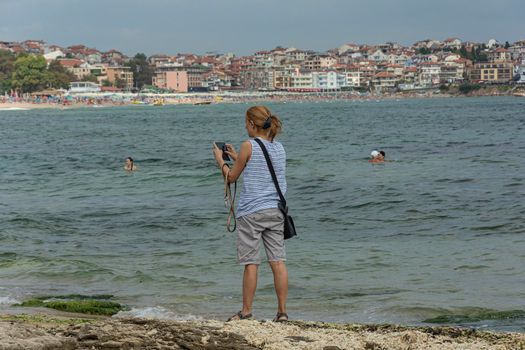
245 26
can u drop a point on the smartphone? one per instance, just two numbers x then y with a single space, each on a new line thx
222 145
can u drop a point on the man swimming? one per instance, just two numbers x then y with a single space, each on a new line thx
377 157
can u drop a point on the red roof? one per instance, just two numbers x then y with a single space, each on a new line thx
109 89
501 49
70 62
384 75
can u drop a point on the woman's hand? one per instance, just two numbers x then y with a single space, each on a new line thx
217 153
231 152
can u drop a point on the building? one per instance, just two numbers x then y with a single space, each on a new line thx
500 54
328 80
119 73
255 78
492 72
84 87
51 56
176 80
520 72
385 81
159 60
429 73
318 62
379 56
452 43
190 78
450 73
353 76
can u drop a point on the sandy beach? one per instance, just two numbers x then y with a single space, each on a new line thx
68 331
126 99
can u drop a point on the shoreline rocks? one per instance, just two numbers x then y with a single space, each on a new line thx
53 332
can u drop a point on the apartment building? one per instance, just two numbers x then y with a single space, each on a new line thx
318 62
384 81
429 73
120 73
492 72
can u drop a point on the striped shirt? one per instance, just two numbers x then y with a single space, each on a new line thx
258 191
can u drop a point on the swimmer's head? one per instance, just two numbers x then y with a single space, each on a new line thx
375 154
383 154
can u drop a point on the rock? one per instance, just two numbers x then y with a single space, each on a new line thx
86 336
296 338
331 347
111 345
152 332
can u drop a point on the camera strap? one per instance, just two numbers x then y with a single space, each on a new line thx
229 202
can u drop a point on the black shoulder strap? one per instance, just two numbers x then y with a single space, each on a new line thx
272 171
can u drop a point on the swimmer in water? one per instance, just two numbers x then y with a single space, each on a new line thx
130 165
377 157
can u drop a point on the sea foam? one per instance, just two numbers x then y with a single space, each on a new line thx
156 313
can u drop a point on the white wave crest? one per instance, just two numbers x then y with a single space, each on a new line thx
8 301
156 313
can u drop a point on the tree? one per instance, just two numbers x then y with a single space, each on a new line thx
142 71
106 83
7 66
30 74
92 78
480 56
507 44
120 83
59 77
464 53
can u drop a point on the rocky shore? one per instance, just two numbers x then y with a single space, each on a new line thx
46 332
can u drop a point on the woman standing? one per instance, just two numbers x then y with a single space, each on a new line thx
258 216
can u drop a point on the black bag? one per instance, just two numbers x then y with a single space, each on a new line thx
289 227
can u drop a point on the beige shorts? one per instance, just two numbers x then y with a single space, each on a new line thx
265 225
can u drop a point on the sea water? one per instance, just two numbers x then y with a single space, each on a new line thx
437 230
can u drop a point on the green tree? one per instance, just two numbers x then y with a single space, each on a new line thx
92 78
30 73
59 77
142 70
424 51
480 55
466 88
464 53
7 66
120 83
106 83
507 44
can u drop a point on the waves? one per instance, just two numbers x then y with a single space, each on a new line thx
438 227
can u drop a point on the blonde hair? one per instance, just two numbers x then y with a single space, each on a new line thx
262 118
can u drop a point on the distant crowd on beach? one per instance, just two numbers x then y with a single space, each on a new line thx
119 99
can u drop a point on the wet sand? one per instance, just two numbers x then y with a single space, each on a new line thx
67 331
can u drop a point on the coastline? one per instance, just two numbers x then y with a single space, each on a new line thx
94 101
51 330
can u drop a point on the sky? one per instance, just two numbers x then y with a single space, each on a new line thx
246 26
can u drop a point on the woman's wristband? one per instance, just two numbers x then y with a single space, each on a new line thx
222 168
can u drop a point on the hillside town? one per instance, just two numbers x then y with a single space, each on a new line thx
383 68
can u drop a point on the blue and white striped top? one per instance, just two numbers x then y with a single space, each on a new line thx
258 191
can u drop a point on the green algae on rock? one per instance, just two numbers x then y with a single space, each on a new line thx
476 316
92 305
